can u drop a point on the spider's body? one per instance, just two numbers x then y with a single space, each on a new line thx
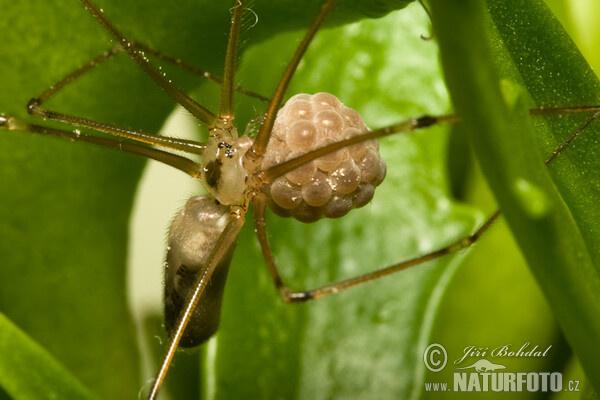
290 170
223 172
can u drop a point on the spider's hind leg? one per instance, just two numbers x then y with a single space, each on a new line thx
290 296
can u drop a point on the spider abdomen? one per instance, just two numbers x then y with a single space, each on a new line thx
329 186
193 234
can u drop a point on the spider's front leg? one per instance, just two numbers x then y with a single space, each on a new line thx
297 169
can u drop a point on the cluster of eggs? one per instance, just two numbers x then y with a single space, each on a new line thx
331 185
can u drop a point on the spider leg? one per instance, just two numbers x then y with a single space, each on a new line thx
205 116
260 203
188 166
197 71
269 174
227 113
34 107
573 136
290 296
188 146
223 244
260 144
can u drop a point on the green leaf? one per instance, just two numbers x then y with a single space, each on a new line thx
64 215
65 207
21 356
285 343
368 339
560 243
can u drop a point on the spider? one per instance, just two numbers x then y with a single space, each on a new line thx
341 226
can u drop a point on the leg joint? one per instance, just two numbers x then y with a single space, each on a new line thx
425 121
33 107
295 297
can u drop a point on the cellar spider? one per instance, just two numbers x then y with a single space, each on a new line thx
382 315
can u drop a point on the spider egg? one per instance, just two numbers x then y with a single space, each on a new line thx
192 236
329 186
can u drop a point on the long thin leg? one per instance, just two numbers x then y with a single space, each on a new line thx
52 90
96 61
564 110
260 144
227 237
226 112
573 136
190 167
204 115
34 107
197 71
188 146
408 126
290 296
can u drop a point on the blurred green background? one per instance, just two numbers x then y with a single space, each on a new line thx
66 210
